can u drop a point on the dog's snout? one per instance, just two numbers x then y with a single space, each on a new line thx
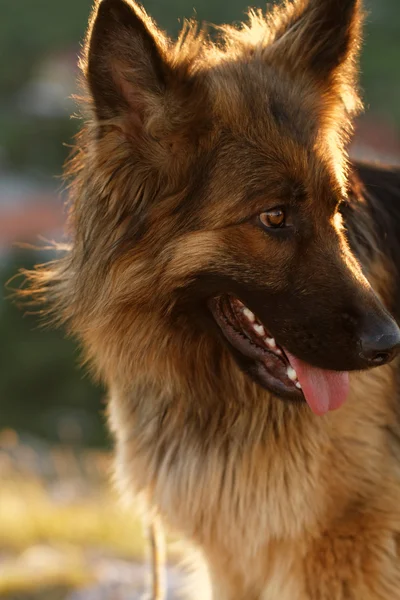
380 344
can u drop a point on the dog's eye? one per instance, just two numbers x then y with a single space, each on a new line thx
273 218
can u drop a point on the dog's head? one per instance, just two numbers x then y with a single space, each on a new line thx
210 193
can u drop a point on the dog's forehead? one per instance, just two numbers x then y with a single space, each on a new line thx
269 129
250 96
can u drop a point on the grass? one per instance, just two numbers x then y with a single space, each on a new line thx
68 573
57 514
29 515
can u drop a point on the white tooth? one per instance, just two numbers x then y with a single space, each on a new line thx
298 385
259 329
272 345
249 315
291 373
270 342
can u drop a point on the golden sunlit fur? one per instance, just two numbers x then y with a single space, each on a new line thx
280 503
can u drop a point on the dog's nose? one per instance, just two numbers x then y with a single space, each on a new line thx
380 347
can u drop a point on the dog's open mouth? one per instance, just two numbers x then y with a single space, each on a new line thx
271 365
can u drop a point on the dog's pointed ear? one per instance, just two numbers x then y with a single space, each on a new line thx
318 35
125 62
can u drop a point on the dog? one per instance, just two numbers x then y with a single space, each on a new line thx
234 280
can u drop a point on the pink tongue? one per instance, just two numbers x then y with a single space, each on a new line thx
323 390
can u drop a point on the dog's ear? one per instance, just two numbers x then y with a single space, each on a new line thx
141 80
125 67
318 35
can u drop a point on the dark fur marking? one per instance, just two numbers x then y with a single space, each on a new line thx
199 178
289 121
374 223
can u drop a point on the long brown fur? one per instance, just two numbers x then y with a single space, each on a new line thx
281 504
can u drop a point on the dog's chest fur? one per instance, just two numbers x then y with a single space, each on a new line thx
251 498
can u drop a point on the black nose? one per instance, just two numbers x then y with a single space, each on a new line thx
379 347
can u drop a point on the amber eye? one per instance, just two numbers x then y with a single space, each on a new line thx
273 218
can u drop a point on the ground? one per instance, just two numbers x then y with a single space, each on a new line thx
64 534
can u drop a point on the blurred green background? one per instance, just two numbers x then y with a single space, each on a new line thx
61 529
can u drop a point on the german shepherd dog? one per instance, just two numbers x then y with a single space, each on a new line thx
234 280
